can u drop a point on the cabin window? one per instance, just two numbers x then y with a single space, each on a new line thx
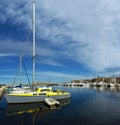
42 93
45 90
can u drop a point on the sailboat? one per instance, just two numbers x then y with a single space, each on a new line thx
39 94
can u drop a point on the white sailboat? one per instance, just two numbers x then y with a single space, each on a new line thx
41 93
19 88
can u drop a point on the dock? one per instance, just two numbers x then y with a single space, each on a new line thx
2 90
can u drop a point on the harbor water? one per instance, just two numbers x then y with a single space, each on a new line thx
88 106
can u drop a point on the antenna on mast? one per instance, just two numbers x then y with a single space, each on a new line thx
33 56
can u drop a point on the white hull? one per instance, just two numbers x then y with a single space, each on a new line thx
31 99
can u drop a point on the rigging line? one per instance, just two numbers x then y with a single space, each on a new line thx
15 77
22 53
26 73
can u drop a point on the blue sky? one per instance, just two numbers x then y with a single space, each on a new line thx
74 39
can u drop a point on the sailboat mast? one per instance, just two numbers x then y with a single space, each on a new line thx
33 58
20 69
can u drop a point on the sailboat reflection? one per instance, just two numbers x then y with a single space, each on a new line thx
28 114
33 108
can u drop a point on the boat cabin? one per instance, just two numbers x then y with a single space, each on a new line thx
44 89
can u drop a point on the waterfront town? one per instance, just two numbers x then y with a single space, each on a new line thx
99 81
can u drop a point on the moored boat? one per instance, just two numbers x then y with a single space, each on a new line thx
32 97
22 96
35 96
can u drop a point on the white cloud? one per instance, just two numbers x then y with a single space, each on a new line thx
52 63
9 47
55 76
86 31
93 27
42 76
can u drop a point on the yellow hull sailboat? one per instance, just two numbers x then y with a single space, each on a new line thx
23 96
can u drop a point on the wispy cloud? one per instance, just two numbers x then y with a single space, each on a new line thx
93 29
52 63
56 76
43 76
84 31
7 54
8 47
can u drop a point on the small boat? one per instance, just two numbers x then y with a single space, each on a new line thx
51 102
86 85
117 84
93 84
100 84
110 85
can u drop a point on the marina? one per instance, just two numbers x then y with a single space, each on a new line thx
87 106
92 84
43 44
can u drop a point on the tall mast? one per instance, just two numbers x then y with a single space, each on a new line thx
20 69
33 58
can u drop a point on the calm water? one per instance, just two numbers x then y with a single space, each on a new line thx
88 106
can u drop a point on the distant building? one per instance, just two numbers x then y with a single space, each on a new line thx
99 79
